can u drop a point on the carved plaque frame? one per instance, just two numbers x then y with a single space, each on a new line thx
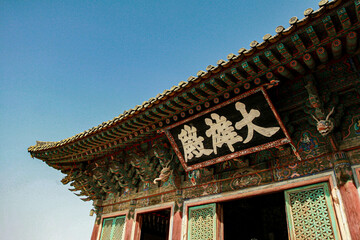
278 142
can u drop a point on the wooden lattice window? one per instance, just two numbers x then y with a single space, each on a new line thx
202 222
310 213
113 228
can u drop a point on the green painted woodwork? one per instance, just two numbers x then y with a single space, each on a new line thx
113 228
225 78
259 63
216 84
298 43
237 75
310 214
329 26
197 93
271 57
283 51
312 35
245 65
344 18
357 8
202 222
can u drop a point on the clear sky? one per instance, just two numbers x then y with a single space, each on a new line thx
66 66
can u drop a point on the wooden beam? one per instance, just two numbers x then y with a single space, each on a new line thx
312 35
297 67
259 63
283 51
238 75
344 18
284 72
271 57
298 43
309 61
351 42
245 65
329 26
336 48
322 54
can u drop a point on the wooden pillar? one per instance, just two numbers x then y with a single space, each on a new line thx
177 222
130 220
177 218
351 200
128 228
96 228
349 193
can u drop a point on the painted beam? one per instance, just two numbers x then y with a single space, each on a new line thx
329 26
312 35
298 43
336 48
217 84
351 42
198 93
297 67
285 72
283 51
226 79
245 65
259 63
357 9
190 98
238 75
271 57
344 18
309 61
322 54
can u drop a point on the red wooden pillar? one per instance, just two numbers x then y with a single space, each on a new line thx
130 220
177 218
351 199
177 222
349 193
128 228
96 228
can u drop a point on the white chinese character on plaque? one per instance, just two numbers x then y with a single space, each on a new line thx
193 145
222 132
247 121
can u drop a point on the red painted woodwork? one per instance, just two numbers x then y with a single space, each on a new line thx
351 199
95 231
128 228
177 222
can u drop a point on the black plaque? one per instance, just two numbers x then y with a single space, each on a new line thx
244 124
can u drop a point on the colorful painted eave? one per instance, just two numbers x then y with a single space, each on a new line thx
292 50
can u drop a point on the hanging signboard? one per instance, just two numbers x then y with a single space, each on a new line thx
245 124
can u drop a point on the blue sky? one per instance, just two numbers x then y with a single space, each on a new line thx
66 66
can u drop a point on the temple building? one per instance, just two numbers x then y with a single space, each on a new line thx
264 145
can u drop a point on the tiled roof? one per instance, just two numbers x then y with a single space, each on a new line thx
260 60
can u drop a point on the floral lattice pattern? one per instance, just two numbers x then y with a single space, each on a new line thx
118 228
202 222
106 232
310 214
113 228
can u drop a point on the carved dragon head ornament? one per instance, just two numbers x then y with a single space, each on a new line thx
324 127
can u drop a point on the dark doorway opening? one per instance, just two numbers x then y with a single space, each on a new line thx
155 225
260 217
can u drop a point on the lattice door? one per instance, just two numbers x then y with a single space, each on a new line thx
310 213
113 228
106 229
202 222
